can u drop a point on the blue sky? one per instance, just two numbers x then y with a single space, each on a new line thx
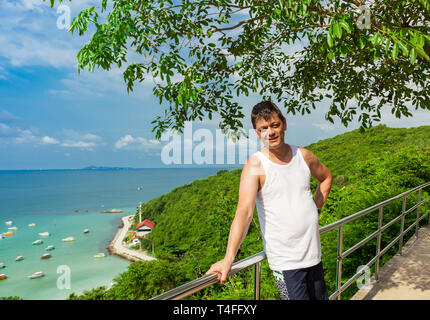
51 118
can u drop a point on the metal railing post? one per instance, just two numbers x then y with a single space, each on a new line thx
418 214
402 225
257 280
339 260
378 246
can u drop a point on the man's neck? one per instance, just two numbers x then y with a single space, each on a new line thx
281 151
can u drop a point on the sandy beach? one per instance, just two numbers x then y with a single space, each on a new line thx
117 248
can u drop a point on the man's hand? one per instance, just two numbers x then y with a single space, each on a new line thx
221 269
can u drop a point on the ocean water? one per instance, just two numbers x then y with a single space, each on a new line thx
64 203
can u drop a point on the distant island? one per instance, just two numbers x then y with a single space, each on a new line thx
108 168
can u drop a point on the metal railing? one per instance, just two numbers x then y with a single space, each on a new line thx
256 259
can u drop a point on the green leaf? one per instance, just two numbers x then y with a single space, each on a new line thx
345 26
413 55
337 30
329 40
395 51
404 48
362 42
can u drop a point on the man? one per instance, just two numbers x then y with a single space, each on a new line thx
277 178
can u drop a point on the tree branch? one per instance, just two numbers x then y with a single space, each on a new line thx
280 37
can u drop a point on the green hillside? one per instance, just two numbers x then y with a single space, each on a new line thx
193 221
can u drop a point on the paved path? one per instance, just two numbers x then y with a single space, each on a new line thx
405 277
117 248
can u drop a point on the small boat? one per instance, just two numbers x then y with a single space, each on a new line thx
69 239
1 236
100 255
139 188
13 228
113 211
44 234
46 256
86 230
2 266
19 258
9 233
3 276
32 225
37 242
37 274
8 223
50 247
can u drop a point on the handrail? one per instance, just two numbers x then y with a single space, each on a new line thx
256 259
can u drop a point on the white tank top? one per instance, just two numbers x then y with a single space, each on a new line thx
288 214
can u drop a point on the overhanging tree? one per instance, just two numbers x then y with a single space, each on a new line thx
361 55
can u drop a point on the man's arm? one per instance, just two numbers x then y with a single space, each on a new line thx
239 228
322 174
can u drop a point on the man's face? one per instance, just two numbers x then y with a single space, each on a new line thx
271 131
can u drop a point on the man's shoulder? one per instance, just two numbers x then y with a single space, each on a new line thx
307 154
253 161
253 166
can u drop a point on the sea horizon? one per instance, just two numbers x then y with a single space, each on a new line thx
107 168
64 203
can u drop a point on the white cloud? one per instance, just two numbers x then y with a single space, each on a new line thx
74 135
6 116
3 73
72 139
128 142
52 91
49 140
324 126
79 144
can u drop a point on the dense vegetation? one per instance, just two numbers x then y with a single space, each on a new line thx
193 221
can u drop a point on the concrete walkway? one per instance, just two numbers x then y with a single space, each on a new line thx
117 248
406 276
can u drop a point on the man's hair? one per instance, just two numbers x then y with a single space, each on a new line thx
264 110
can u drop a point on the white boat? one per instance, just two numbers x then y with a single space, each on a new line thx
37 274
2 266
69 239
45 256
32 225
19 258
100 255
50 247
86 230
37 242
3 276
8 223
13 228
44 234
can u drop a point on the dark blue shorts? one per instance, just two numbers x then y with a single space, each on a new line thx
302 284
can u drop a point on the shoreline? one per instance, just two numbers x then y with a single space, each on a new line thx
116 247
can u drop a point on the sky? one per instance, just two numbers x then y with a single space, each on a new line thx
53 118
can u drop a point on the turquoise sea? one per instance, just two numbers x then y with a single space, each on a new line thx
64 203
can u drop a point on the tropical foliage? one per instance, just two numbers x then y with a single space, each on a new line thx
193 221
204 54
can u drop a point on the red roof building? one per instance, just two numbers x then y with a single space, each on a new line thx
147 223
